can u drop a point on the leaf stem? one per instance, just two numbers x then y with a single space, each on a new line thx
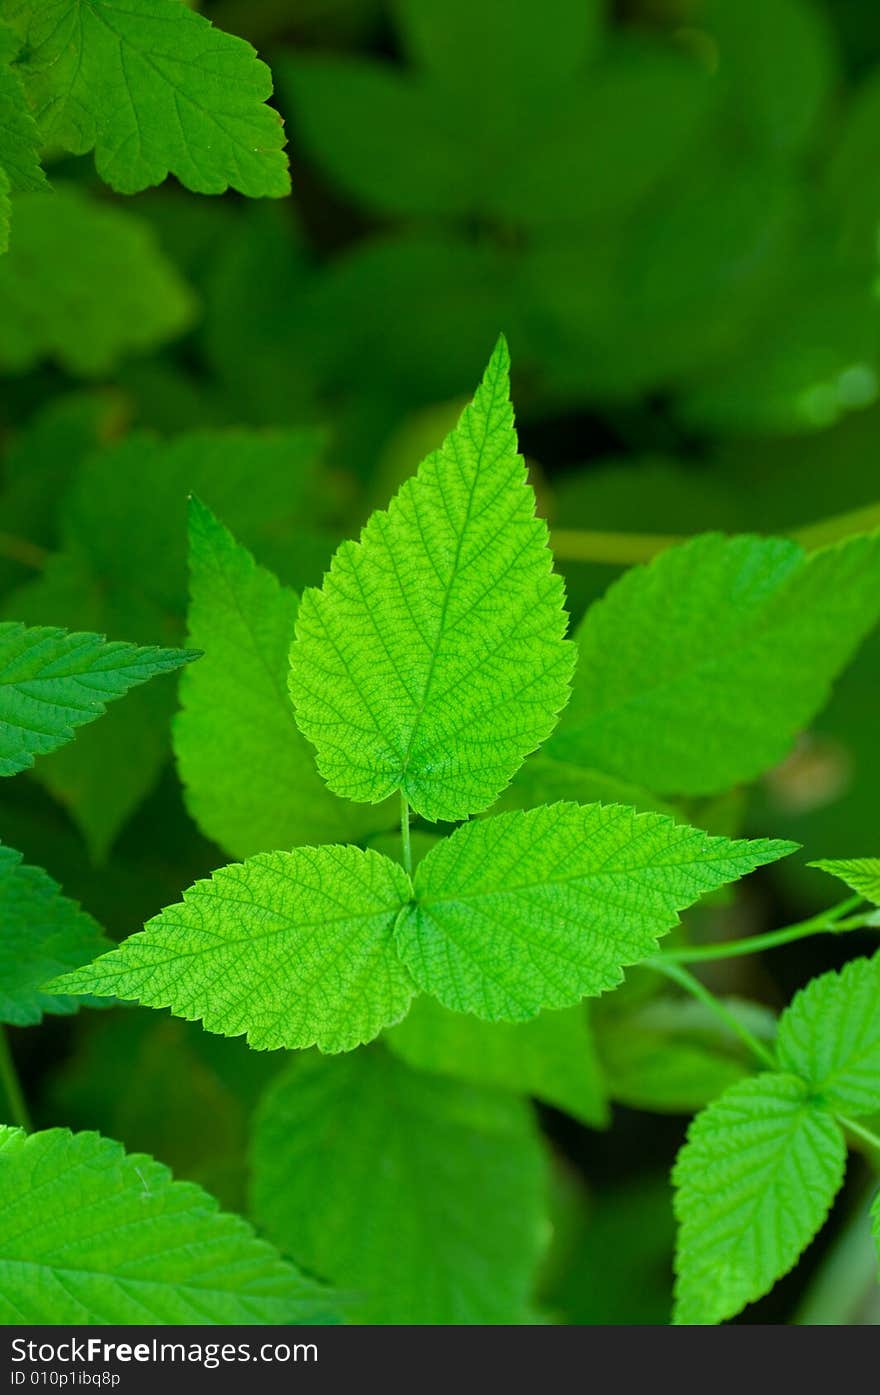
866 1135
12 1086
629 549
826 921
404 834
692 985
29 554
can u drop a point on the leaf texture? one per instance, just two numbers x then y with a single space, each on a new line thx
830 1036
530 910
294 949
154 89
43 934
249 774
19 137
696 672
754 1183
422 1196
433 659
52 681
551 1057
90 1234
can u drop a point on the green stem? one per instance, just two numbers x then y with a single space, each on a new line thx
29 554
861 1132
629 549
692 985
404 834
12 1086
826 921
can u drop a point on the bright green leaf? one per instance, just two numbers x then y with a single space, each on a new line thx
433 659
830 1036
293 948
250 776
697 671
154 89
84 283
754 1181
91 1234
52 681
552 1057
861 874
529 910
43 934
422 1196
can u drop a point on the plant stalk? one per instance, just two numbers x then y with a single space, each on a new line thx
830 921
629 549
404 834
699 990
12 1086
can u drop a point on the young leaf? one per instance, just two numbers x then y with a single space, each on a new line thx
250 776
52 681
84 283
422 1195
90 1234
154 89
830 1036
861 874
696 672
754 1181
293 948
44 934
19 138
551 1057
433 659
530 910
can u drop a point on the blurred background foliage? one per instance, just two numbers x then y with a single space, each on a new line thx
671 208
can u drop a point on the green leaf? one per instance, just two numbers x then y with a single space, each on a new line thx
91 1234
293 948
875 1215
423 1196
830 1036
754 1181
44 934
154 89
697 671
552 1057
861 874
403 675
5 211
530 910
52 681
129 581
84 283
19 138
250 777
776 67
673 1055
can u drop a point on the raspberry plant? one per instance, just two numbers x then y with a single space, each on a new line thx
423 673
476 862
